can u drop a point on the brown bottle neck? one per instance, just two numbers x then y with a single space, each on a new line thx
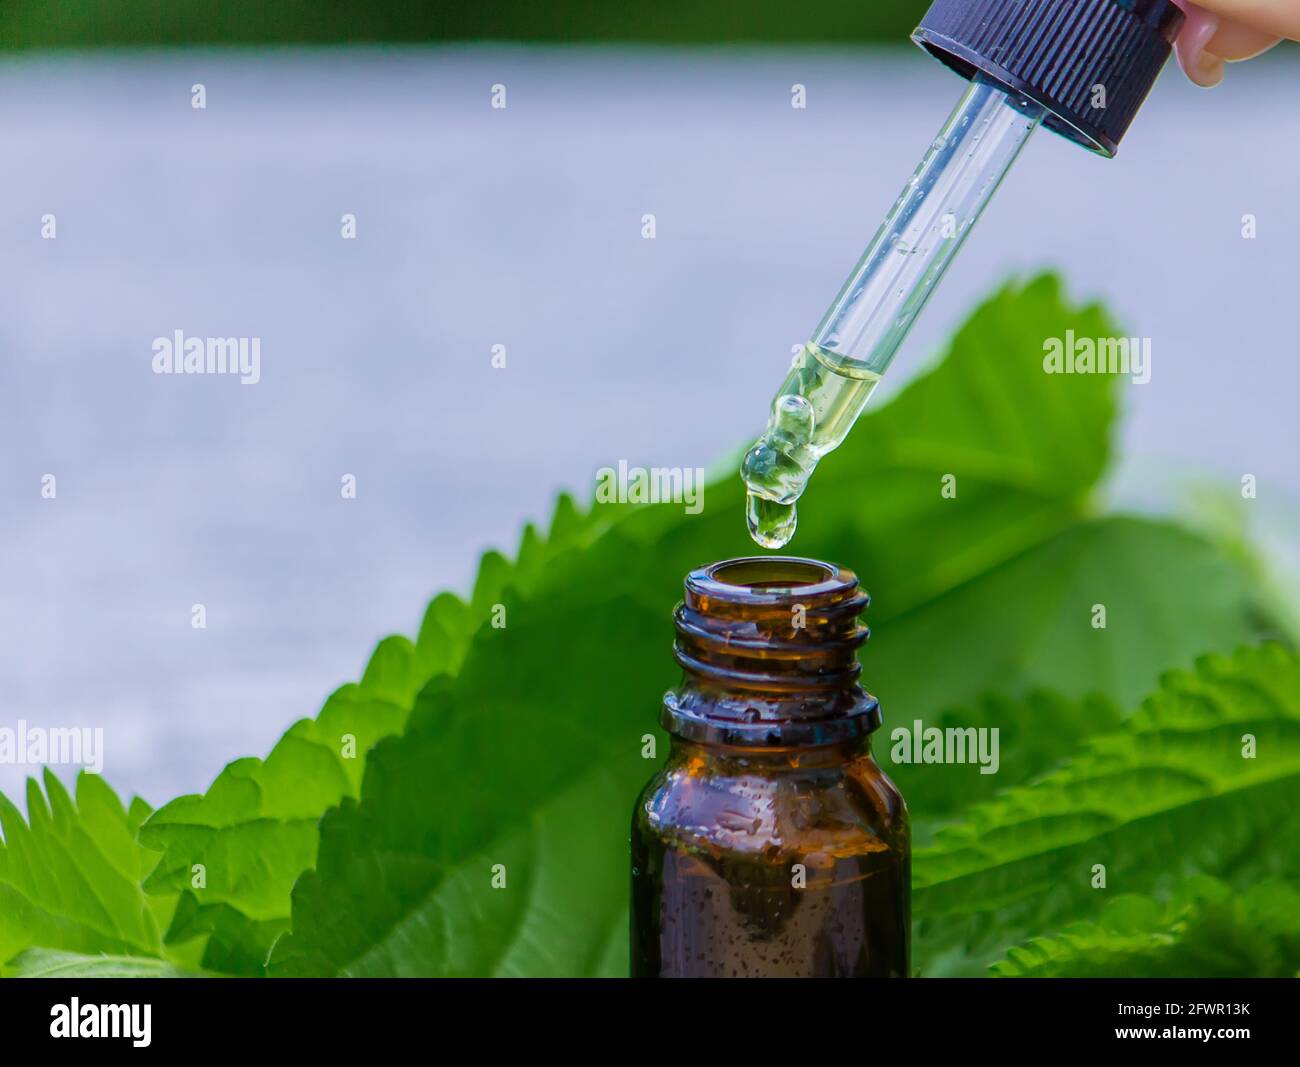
768 649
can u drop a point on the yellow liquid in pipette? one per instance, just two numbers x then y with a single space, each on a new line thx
813 412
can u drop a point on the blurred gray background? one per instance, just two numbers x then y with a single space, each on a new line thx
519 227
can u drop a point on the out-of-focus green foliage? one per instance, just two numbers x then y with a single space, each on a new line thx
1202 780
1208 928
89 23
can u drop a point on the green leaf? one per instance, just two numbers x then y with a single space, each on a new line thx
990 591
1025 448
234 852
547 716
51 963
1172 793
492 771
1211 930
1034 734
70 873
226 939
1028 624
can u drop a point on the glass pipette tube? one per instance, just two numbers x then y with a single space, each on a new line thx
835 373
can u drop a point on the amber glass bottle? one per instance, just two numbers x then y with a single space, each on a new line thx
771 843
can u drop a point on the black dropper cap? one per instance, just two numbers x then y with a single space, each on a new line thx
1090 63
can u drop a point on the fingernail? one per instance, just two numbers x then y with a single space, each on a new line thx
1208 72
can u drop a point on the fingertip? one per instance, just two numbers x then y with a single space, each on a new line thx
1203 68
1207 71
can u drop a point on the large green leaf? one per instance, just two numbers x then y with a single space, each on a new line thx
234 852
1025 450
70 873
988 591
1210 930
1034 734
1178 790
1029 624
497 767
547 716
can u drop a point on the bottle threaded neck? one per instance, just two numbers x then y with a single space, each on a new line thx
768 646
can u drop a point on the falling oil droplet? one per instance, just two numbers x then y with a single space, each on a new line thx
770 524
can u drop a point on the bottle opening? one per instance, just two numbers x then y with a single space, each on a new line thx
771 574
753 582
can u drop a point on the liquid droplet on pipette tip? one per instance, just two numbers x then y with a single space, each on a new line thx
770 524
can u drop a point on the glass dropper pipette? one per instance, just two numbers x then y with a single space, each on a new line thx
831 379
1081 67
